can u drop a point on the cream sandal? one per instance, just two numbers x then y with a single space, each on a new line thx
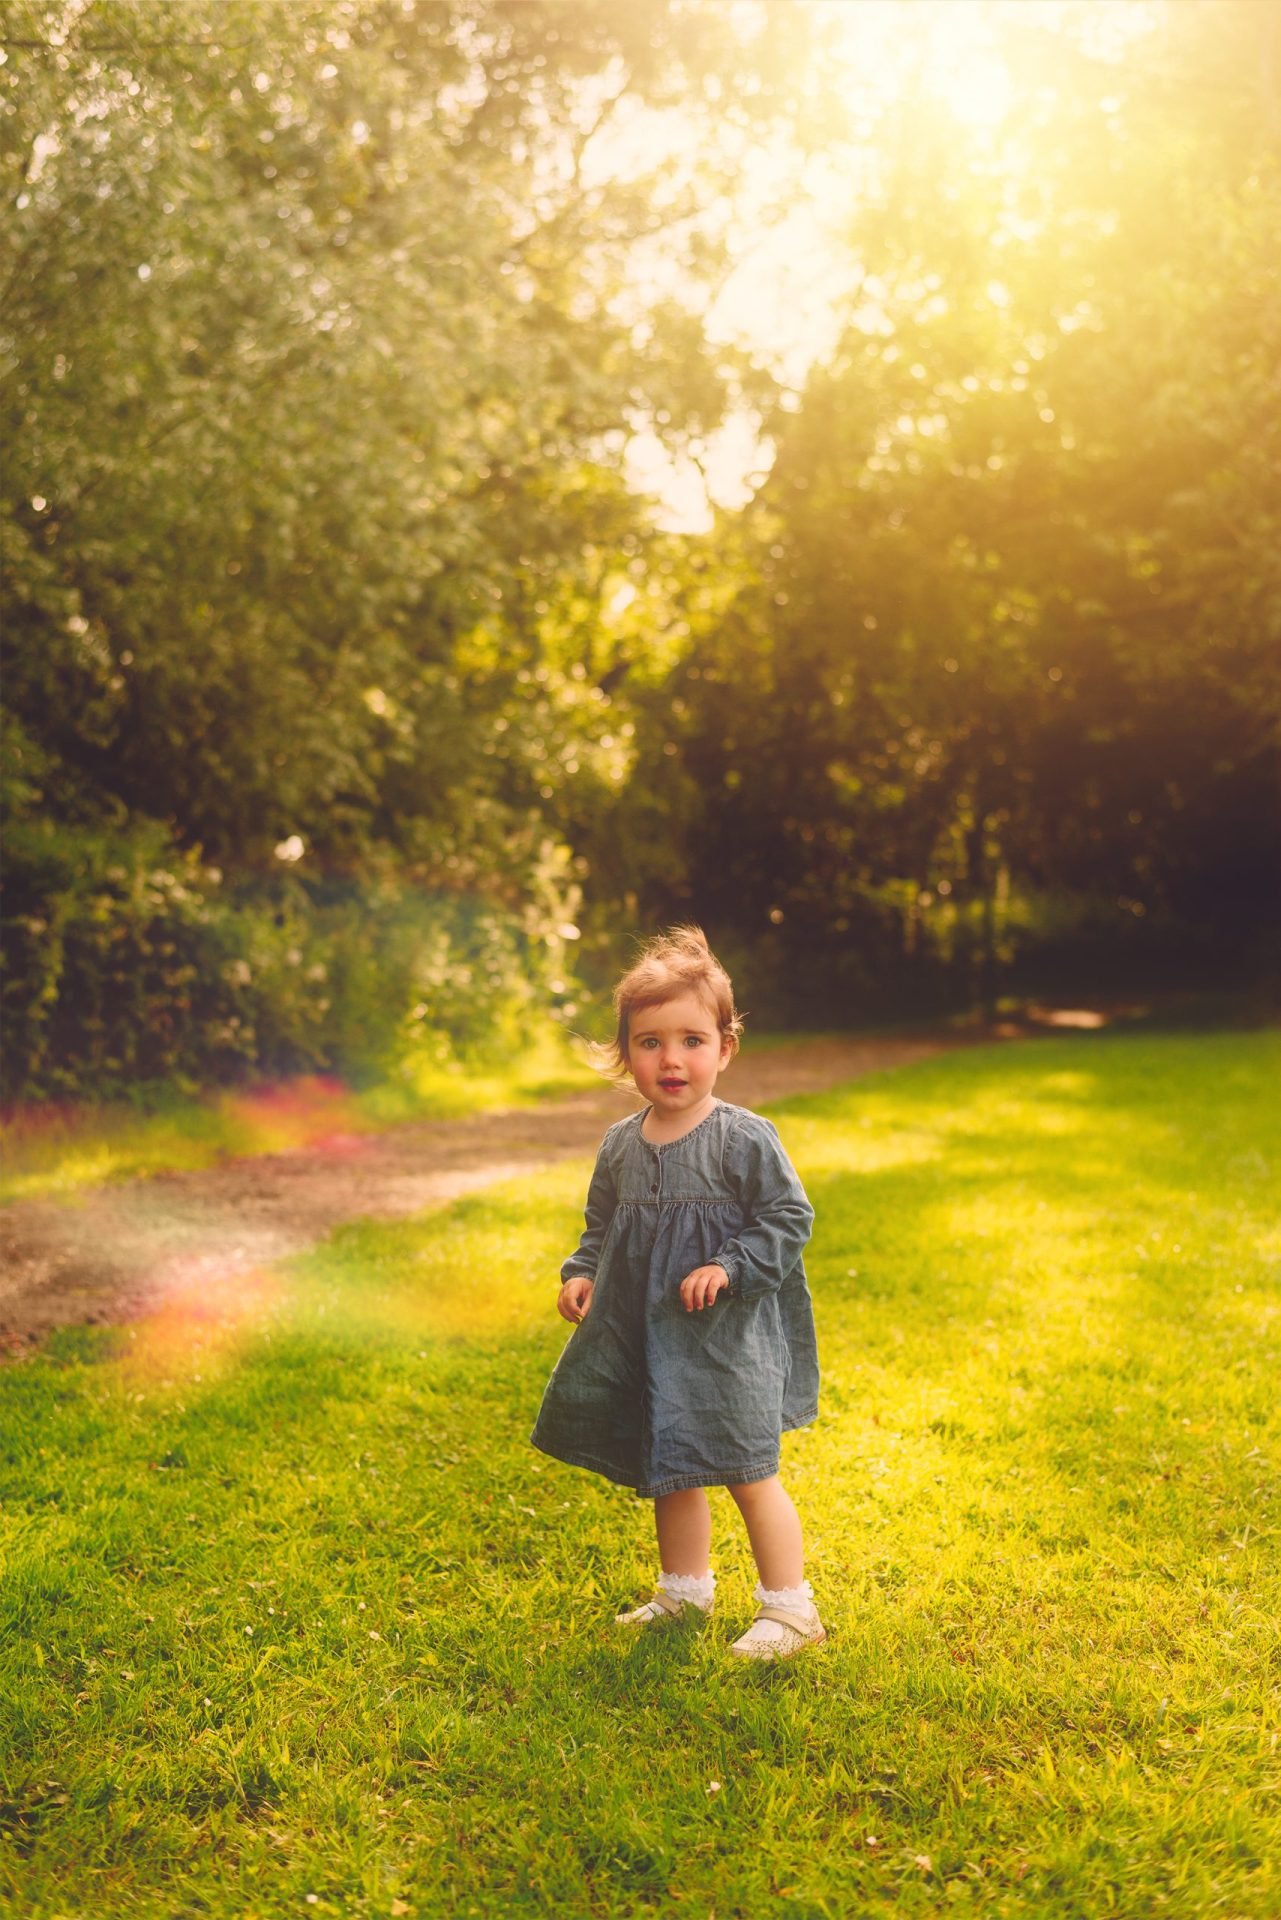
801 1629
659 1606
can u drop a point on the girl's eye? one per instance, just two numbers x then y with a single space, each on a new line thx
693 1040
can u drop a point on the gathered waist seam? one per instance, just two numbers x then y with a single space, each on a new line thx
675 1200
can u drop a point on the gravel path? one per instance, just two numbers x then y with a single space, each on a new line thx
117 1253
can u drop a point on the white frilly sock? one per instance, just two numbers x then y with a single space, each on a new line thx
796 1598
699 1589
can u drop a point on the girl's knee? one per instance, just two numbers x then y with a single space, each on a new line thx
752 1492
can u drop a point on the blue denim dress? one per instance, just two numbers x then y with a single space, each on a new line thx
657 1398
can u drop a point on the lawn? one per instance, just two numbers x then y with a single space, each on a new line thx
294 1621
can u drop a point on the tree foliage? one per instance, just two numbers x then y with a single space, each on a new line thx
313 402
1011 612
324 329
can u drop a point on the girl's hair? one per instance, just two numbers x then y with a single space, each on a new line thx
679 961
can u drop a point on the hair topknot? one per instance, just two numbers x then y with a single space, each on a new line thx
678 961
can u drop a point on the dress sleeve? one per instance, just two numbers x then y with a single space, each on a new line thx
777 1215
602 1198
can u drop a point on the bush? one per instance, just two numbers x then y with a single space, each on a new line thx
128 963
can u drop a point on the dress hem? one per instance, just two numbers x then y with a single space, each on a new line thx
680 1483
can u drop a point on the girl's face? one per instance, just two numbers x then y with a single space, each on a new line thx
674 1053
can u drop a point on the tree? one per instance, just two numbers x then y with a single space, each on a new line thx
1012 614
317 400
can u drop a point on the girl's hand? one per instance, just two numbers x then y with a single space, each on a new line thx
575 1298
700 1288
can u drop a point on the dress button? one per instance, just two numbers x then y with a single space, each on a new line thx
654 1188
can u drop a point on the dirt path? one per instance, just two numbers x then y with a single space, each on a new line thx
116 1253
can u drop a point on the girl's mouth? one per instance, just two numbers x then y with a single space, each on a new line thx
671 1086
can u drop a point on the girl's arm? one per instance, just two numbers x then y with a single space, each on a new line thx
602 1198
777 1216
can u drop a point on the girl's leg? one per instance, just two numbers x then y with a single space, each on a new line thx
774 1529
684 1525
775 1533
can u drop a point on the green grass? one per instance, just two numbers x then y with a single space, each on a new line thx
294 1621
53 1150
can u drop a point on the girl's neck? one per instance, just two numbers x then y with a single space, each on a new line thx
660 1132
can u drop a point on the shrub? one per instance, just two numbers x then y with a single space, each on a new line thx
128 962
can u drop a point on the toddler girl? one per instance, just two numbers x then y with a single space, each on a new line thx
693 1343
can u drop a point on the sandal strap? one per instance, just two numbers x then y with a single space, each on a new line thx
799 1622
664 1600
